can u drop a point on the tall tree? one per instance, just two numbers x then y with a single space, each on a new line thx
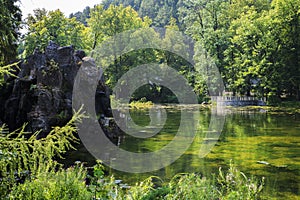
108 23
158 11
116 19
205 22
44 26
82 16
10 20
263 55
287 15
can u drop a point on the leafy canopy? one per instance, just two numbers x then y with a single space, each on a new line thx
44 26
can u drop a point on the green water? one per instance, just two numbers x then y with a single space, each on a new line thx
246 138
249 139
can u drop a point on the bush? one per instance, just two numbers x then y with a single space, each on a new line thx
23 156
192 186
63 185
235 185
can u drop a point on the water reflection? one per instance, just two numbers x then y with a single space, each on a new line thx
259 143
247 137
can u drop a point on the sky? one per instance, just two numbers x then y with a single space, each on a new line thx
66 6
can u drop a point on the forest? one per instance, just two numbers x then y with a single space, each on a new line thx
254 43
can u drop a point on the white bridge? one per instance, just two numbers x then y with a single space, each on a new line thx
238 101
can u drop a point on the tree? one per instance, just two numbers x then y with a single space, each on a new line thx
10 20
104 24
205 21
235 34
82 16
287 28
158 11
45 26
263 56
243 54
116 19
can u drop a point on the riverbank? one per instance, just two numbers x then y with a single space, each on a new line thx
287 107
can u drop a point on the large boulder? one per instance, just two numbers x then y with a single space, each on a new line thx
42 94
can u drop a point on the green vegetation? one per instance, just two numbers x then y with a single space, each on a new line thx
46 26
143 103
23 156
62 184
7 70
254 43
288 107
231 185
106 23
10 21
161 12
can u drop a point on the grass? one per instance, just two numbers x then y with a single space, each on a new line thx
228 184
71 184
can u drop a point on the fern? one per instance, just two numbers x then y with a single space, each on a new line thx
8 70
21 153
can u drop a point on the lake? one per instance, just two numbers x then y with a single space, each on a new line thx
259 143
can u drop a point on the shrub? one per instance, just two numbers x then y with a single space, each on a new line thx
235 185
22 155
192 186
61 185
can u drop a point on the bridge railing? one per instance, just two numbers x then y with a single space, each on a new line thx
239 101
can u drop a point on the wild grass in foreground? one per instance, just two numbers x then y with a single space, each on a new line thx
70 184
231 184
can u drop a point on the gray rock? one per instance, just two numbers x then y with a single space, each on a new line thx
42 93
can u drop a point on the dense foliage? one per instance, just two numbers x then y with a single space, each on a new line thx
108 22
161 12
46 26
254 43
10 21
23 156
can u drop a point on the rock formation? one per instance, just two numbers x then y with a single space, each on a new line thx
42 94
